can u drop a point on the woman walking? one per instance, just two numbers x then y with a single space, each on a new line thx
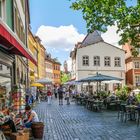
68 97
49 95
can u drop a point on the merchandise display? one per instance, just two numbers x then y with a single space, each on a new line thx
4 100
18 98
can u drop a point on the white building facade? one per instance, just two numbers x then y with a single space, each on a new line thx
94 55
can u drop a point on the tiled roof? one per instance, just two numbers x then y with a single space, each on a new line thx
92 38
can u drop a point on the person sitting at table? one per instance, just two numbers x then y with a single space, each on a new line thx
31 116
112 96
131 99
7 120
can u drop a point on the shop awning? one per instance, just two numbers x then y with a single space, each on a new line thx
8 40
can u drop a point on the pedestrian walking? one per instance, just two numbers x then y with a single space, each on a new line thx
60 95
55 91
38 95
49 95
67 97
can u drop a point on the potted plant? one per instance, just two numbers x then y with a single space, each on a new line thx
122 94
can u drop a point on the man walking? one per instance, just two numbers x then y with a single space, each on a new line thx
60 95
55 91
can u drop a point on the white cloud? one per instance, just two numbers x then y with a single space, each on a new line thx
59 38
111 36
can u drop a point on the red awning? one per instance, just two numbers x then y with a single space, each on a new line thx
12 45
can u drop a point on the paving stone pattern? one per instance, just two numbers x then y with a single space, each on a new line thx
75 122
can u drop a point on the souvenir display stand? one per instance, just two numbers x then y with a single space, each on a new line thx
18 98
4 98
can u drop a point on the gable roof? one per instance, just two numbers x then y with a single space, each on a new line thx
92 38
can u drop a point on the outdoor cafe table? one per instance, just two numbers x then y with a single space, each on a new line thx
94 104
98 104
79 100
113 105
132 110
89 103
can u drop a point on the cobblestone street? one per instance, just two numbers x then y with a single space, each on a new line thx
74 122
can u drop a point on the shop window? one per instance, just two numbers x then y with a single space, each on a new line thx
5 69
5 88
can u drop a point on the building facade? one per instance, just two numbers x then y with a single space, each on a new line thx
41 59
94 55
14 53
33 48
56 72
49 67
132 66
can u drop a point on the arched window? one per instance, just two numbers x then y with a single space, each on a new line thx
96 60
85 60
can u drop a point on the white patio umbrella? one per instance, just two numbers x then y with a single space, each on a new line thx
112 81
44 81
72 83
136 91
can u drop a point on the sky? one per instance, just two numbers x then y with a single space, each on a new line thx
60 27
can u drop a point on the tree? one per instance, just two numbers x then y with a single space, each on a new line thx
64 77
102 13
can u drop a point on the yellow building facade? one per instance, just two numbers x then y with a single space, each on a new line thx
56 72
33 48
41 59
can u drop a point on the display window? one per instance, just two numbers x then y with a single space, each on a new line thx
5 85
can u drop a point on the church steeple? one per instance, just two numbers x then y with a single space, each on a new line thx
65 67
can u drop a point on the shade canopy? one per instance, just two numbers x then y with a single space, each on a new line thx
72 83
113 81
36 85
44 81
99 78
9 41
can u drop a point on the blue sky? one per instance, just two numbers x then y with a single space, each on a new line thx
55 13
60 27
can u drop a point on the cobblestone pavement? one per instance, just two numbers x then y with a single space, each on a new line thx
75 122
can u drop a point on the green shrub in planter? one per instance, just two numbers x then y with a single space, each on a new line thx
138 98
103 94
123 93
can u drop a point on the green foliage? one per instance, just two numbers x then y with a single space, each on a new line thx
123 93
99 14
103 94
64 77
138 98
